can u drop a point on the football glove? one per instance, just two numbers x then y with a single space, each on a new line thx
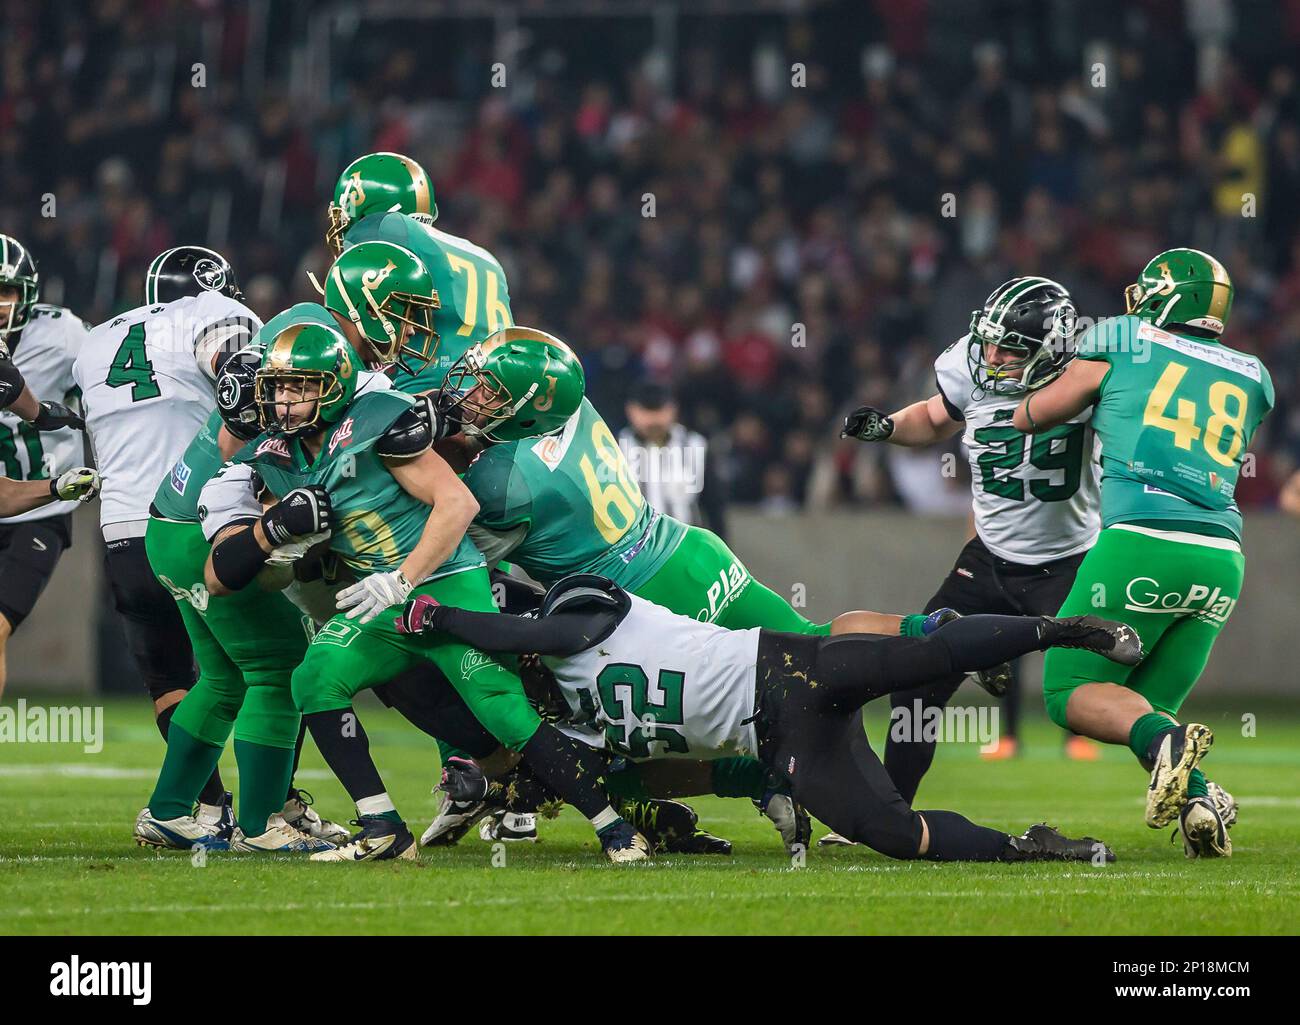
463 781
867 424
77 485
440 413
53 415
371 595
299 514
415 614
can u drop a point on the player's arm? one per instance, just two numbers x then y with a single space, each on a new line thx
20 496
922 423
240 550
1063 399
20 400
564 633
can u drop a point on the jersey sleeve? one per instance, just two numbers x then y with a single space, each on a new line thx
1104 340
952 378
504 498
225 326
229 497
72 337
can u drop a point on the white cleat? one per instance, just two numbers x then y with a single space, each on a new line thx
281 838
835 840
1224 803
178 834
378 839
1180 752
789 818
508 826
300 815
1205 834
452 822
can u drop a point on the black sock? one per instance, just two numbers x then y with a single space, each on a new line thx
343 744
214 791
571 769
297 757
981 642
954 837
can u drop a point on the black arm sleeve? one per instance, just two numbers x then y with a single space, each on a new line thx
237 559
564 633
406 437
11 383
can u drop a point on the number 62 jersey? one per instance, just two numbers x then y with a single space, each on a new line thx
1035 497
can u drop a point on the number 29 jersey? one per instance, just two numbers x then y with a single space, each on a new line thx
1035 497
147 387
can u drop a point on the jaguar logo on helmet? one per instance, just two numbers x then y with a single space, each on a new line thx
228 392
210 275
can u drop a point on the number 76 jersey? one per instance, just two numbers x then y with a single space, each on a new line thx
1035 497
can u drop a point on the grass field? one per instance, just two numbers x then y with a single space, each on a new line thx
68 864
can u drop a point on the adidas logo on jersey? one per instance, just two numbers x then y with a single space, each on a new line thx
1145 594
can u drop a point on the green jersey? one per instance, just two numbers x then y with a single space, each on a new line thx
177 497
1175 416
377 522
471 287
567 503
298 313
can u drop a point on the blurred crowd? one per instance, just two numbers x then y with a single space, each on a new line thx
778 216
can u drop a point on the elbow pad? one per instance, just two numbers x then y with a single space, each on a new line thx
236 560
407 437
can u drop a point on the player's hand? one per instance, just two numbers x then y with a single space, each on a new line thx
77 485
299 514
415 614
371 595
463 781
867 423
53 415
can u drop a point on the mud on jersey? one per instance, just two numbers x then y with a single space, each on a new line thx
665 685
471 287
568 503
44 352
1175 416
1035 497
377 523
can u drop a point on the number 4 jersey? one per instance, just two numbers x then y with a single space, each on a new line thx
147 387
1175 417
1035 496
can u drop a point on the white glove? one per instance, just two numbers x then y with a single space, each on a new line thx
370 596
292 551
77 485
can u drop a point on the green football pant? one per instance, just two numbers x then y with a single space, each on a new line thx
346 657
1176 594
705 580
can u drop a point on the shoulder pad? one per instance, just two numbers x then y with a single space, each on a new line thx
406 437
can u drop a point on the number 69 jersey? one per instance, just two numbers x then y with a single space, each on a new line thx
1035 496
147 385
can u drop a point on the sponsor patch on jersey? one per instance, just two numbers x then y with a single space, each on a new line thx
1210 605
180 476
552 448
339 632
1208 352
273 446
724 590
342 436
472 661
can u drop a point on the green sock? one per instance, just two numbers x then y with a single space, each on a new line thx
739 777
626 784
1196 784
187 766
264 774
389 816
911 625
1144 731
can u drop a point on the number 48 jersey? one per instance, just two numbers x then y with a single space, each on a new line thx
147 387
1035 496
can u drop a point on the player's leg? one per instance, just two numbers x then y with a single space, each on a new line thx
28 554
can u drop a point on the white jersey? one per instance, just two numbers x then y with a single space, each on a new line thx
663 684
147 387
44 353
1036 497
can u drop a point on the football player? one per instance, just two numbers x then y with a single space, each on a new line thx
146 379
1035 500
38 343
659 682
1175 410
398 519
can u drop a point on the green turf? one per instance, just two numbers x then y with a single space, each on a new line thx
68 864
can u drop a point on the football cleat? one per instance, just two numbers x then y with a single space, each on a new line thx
300 815
789 818
1045 843
1204 832
1224 803
281 838
671 827
1181 751
220 818
508 826
836 840
378 839
1118 642
456 818
995 680
178 834
622 844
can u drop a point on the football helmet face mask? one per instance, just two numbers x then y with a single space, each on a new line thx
188 271
518 383
386 291
17 273
1033 321
379 183
307 379
1182 287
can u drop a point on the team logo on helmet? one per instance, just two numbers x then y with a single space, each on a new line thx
210 275
228 392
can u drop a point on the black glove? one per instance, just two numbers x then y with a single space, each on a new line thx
463 781
54 415
438 412
302 512
867 424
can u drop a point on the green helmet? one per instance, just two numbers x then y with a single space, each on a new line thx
1182 286
517 383
313 363
383 288
379 183
17 270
